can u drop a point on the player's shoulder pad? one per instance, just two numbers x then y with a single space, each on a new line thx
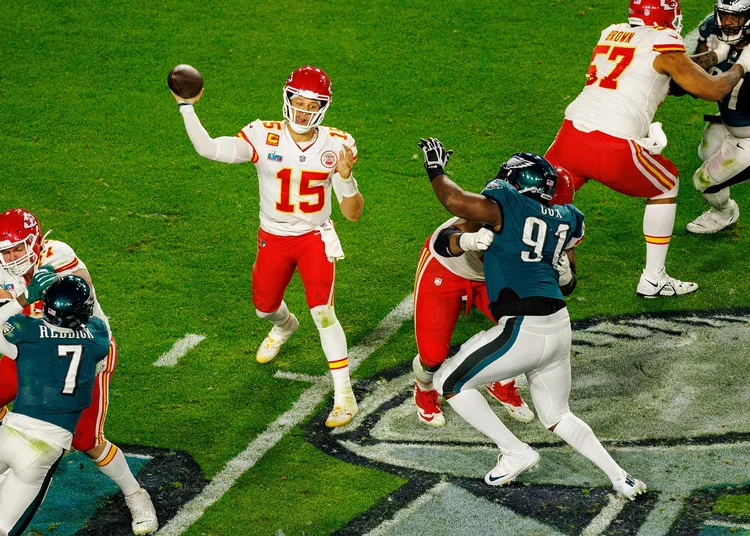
708 27
59 255
15 327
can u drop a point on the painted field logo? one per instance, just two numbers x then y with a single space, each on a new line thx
667 395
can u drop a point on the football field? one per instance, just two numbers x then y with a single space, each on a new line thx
93 144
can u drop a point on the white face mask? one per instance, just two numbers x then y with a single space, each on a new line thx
316 118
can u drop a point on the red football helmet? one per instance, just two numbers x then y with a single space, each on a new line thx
565 192
664 13
19 226
311 83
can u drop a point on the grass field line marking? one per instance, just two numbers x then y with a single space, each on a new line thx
295 377
385 526
608 514
179 349
717 523
138 456
302 408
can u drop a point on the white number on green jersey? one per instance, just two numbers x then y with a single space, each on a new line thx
74 351
534 234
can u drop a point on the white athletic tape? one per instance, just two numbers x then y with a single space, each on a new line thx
180 348
305 405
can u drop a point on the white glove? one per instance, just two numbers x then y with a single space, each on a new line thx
563 267
720 48
478 241
744 59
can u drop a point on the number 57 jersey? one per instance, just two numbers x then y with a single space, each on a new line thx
623 90
295 183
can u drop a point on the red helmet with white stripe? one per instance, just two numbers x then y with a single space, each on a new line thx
564 192
665 13
19 226
311 83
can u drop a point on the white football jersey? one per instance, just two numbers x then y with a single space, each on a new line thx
295 184
623 90
64 260
469 265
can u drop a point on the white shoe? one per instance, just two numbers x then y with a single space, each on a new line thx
143 512
663 285
344 409
713 221
510 465
628 487
271 345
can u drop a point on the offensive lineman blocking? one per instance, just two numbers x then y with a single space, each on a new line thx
607 134
298 161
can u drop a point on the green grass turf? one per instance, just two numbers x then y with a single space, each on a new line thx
93 144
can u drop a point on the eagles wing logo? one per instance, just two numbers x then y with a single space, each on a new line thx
7 328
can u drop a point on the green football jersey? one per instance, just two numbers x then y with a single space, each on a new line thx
56 368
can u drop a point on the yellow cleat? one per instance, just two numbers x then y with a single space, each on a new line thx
271 345
344 410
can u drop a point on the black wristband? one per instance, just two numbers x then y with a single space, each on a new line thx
434 172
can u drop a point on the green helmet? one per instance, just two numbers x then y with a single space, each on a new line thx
531 175
68 302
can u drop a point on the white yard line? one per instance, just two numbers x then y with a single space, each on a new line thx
301 410
180 348
605 517
386 526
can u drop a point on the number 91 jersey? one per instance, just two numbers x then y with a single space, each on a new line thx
623 90
523 254
295 184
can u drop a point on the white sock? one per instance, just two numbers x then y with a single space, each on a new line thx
280 317
718 200
112 463
475 410
424 377
333 341
658 222
579 435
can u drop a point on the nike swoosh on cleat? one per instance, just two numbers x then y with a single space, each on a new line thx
652 284
494 479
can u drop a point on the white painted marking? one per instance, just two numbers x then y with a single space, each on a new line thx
726 524
180 348
608 514
139 456
305 405
385 526
293 376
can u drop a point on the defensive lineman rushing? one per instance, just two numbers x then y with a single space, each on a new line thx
533 334
725 149
57 358
451 269
298 162
23 250
607 134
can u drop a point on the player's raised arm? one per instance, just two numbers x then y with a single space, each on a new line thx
456 200
226 149
692 78
351 201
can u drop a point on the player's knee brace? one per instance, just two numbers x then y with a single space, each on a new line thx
324 316
279 315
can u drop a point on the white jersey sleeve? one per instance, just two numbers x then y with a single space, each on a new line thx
226 149
623 90
469 265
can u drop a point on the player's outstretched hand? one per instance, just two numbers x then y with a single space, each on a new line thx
719 47
191 100
346 162
479 241
40 282
435 156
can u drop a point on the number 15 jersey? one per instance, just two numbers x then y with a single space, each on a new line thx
295 183
623 90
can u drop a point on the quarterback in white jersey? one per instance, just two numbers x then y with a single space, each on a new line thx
298 162
23 249
608 134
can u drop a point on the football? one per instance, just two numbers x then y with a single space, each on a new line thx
185 81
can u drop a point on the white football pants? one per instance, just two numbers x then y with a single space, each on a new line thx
538 346
724 156
32 463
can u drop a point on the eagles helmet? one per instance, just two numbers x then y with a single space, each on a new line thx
733 19
531 175
68 302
